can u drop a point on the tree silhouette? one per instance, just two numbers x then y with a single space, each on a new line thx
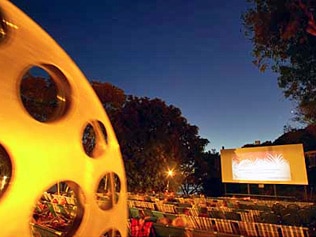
155 137
283 37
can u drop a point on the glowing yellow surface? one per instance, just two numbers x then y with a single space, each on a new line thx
284 164
44 153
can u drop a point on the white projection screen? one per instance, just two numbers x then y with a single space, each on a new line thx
283 164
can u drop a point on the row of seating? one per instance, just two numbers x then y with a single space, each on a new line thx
243 202
43 231
292 214
255 230
217 227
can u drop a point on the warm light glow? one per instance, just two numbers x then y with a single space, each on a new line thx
61 98
10 24
170 173
3 182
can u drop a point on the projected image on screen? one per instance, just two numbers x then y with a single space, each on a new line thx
263 166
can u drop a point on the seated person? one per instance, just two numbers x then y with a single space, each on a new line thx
179 222
164 221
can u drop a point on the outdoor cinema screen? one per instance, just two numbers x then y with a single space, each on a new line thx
264 165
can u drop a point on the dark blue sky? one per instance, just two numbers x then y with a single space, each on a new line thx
190 53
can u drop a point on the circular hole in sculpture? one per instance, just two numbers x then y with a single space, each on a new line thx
108 191
59 211
94 138
112 233
44 93
89 140
103 131
5 170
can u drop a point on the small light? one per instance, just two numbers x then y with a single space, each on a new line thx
3 182
61 98
10 24
170 172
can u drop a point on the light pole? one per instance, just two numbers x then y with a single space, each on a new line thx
169 175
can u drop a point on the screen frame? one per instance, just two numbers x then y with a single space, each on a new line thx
293 153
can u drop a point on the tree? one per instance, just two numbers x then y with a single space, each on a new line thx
111 97
283 36
194 170
39 96
155 137
266 143
211 170
306 136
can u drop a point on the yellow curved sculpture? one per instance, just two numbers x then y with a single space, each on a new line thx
45 153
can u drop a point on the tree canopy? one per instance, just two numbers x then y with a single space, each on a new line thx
154 138
283 33
39 96
306 136
111 97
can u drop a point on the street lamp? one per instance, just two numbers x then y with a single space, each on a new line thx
170 174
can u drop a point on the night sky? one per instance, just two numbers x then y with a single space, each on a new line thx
189 53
